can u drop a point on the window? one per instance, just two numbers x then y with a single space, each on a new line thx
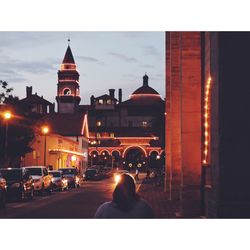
109 101
144 124
100 101
98 135
112 135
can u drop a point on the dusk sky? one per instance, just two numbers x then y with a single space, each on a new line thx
104 60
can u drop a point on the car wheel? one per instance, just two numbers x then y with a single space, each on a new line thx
3 200
42 190
50 188
22 195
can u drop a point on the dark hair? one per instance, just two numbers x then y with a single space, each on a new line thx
125 194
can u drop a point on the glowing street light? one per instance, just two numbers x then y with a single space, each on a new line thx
7 116
45 131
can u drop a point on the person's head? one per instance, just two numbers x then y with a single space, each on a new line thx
125 194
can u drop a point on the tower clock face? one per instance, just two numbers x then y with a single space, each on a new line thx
67 92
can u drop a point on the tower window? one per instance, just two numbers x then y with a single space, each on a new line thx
67 91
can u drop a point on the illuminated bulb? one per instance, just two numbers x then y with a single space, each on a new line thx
206 143
206 115
205 152
206 133
206 124
204 161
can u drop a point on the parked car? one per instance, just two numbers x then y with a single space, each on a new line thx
41 177
59 182
92 174
71 174
3 191
19 183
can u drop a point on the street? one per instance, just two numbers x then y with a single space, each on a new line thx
76 203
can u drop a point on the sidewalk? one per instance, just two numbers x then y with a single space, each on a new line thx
157 198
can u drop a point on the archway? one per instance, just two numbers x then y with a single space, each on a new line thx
93 159
154 160
104 158
134 157
116 159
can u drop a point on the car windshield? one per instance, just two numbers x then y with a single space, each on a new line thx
55 174
68 171
12 175
35 171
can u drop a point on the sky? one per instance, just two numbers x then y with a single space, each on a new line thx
104 60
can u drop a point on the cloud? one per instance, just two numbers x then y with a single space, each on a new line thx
123 57
147 66
10 65
90 59
151 50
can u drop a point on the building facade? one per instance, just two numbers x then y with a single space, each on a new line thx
121 133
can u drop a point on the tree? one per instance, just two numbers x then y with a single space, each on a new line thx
20 128
5 91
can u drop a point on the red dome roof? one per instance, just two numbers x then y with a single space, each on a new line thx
145 91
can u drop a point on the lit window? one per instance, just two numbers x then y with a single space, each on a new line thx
144 124
100 101
112 135
108 101
98 135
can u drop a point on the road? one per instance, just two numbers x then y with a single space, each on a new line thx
75 203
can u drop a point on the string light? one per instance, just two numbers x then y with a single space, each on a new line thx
206 122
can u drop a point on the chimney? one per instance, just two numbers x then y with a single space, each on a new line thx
52 108
92 100
112 93
28 91
120 95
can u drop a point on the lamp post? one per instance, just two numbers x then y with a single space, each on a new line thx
45 131
7 116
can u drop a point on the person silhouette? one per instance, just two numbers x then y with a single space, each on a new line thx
126 202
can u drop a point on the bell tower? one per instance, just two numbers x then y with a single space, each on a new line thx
68 94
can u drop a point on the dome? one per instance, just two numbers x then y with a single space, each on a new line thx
145 91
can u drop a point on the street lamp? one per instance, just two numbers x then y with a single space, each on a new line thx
45 131
7 116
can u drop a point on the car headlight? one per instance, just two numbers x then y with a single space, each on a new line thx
117 178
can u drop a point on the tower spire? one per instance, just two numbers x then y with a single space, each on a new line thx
145 80
68 39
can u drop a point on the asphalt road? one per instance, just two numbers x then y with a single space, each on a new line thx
76 203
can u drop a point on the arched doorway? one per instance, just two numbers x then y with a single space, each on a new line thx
104 158
93 159
134 157
116 159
